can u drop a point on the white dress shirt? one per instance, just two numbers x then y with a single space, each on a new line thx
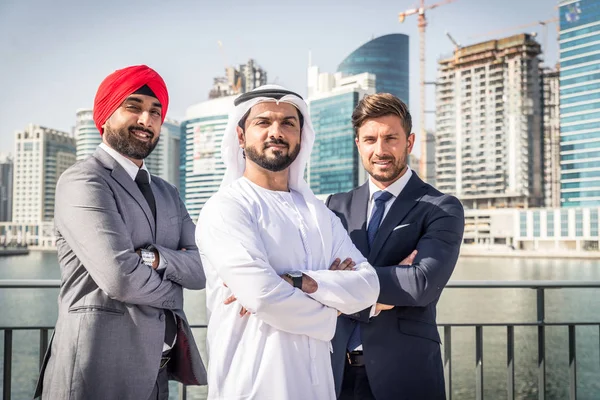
395 189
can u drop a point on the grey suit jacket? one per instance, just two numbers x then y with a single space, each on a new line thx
108 339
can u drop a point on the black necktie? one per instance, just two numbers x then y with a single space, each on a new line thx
143 181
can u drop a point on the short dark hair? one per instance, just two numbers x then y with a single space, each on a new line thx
242 123
380 105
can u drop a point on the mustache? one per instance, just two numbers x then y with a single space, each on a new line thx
276 141
141 128
382 159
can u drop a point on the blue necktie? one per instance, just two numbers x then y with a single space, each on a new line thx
380 198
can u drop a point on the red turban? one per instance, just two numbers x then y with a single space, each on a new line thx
116 87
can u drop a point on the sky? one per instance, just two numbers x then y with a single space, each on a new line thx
54 54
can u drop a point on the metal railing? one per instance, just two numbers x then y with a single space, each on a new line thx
539 286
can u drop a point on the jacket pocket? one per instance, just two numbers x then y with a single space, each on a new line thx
96 310
419 328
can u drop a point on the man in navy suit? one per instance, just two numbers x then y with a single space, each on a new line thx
396 354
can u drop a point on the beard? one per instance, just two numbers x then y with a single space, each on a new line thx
397 167
125 142
277 162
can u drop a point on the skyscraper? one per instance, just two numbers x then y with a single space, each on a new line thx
550 85
87 137
387 58
201 168
489 128
6 187
580 103
41 156
164 159
334 164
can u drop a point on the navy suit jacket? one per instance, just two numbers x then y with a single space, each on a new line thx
401 346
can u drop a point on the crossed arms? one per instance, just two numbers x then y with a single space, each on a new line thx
228 239
104 247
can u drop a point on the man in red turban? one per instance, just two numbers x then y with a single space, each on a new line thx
126 250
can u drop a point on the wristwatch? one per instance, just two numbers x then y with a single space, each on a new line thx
296 277
148 257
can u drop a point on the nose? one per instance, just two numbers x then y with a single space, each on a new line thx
144 119
379 147
275 130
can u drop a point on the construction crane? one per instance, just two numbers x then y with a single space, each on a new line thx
422 23
457 45
544 24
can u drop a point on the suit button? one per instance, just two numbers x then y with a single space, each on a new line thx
162 316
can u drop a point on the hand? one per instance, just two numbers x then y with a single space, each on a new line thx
347 265
410 259
231 299
382 307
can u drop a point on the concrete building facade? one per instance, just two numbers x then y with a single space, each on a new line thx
488 124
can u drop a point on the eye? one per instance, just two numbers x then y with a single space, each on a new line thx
132 107
156 113
289 123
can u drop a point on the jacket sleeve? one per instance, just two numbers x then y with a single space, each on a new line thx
346 291
228 238
419 284
87 217
183 267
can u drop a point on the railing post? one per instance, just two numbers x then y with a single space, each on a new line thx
510 361
479 362
182 392
7 364
572 363
43 345
448 361
541 345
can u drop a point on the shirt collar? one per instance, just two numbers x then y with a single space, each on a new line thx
128 165
395 188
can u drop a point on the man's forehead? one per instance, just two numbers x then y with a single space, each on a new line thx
271 108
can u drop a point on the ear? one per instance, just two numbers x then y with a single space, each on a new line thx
240 135
410 142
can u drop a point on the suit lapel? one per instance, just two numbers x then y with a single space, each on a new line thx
358 220
408 198
119 175
161 206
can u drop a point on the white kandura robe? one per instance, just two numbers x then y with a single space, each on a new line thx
247 237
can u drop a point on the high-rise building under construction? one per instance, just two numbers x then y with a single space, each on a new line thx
488 122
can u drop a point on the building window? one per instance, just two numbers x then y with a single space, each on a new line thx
536 224
564 223
550 223
523 223
594 222
579 223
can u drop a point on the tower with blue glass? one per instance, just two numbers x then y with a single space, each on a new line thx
580 103
387 58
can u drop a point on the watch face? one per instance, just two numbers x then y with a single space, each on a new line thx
148 256
295 274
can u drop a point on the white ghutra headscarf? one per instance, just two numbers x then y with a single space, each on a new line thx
235 163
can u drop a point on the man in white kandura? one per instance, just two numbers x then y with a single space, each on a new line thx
267 240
